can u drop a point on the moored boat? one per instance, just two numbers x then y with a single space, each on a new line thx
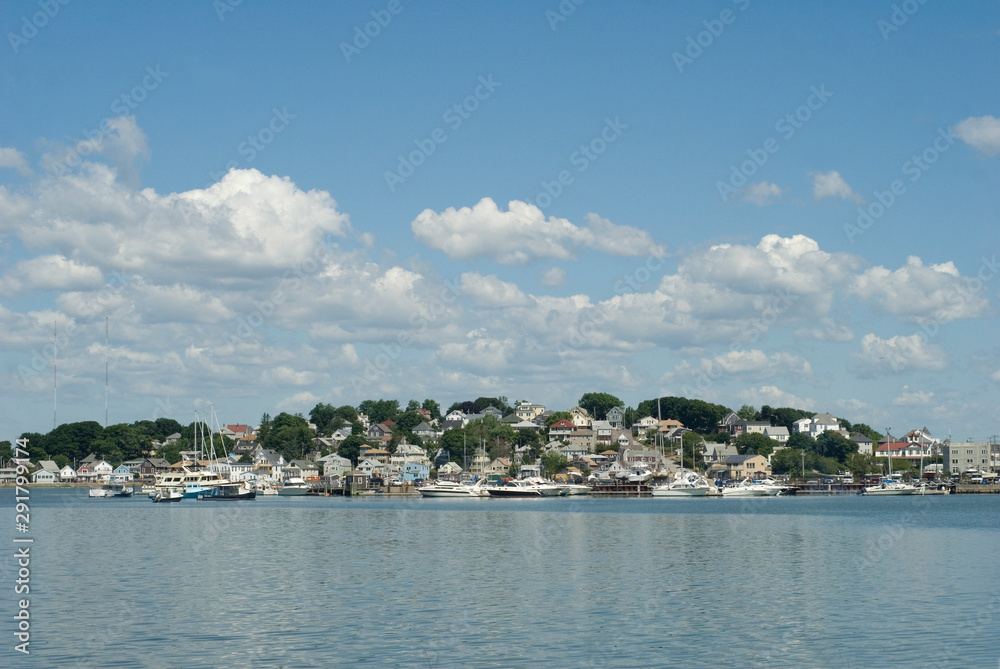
685 484
110 490
453 489
231 492
168 495
889 486
193 483
293 486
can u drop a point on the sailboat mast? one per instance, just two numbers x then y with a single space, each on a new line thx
106 371
55 355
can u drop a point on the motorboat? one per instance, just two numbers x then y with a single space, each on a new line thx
193 483
453 489
231 492
685 484
890 486
746 488
546 488
168 495
518 488
575 489
293 486
640 476
110 490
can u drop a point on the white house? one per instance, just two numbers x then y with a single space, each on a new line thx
335 465
44 476
67 474
103 470
779 433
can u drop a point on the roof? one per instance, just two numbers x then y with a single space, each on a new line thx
825 419
739 459
563 424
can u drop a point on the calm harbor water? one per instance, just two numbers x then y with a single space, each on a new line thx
571 582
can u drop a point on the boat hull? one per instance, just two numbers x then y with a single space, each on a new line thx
513 492
680 492
292 492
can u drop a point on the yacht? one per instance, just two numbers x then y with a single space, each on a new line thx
167 495
685 484
231 492
453 489
575 489
746 488
110 490
520 488
293 486
194 484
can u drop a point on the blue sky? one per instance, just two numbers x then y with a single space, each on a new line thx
274 209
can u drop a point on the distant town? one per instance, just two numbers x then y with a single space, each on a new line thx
380 442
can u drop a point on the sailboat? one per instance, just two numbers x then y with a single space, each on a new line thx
889 485
685 483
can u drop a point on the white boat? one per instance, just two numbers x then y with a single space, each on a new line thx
524 488
575 489
293 486
453 489
746 488
685 484
110 490
168 495
890 486
193 483
640 476
546 488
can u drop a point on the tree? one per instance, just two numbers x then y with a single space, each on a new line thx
557 416
409 420
433 407
552 462
246 459
783 416
802 442
599 404
322 415
696 415
692 446
755 442
290 435
747 412
787 461
495 402
861 428
859 464
379 411
834 445
350 448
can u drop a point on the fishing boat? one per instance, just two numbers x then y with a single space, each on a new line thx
168 495
231 492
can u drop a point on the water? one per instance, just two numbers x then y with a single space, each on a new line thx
572 582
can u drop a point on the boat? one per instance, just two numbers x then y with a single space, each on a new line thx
890 486
231 492
746 488
293 486
547 488
516 488
575 489
110 490
640 476
193 483
685 484
453 489
168 495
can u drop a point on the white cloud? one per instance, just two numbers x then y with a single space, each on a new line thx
523 234
898 354
831 184
907 397
13 159
829 330
981 133
917 292
774 396
490 292
553 277
747 362
761 193
300 402
50 272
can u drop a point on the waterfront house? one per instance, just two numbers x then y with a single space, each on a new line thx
309 470
47 472
84 474
335 465
415 471
499 467
122 474
8 474
715 453
480 461
67 474
449 470
746 466
370 467
637 457
379 455
529 470
103 470
962 455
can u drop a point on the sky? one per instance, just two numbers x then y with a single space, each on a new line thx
264 206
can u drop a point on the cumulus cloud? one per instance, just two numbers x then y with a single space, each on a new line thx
774 396
124 145
917 292
746 362
761 193
907 397
491 292
13 159
49 272
523 234
831 184
553 277
827 329
981 133
898 354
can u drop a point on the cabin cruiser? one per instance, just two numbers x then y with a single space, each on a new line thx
685 484
231 492
530 487
453 489
293 486
746 488
167 495
110 490
193 483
